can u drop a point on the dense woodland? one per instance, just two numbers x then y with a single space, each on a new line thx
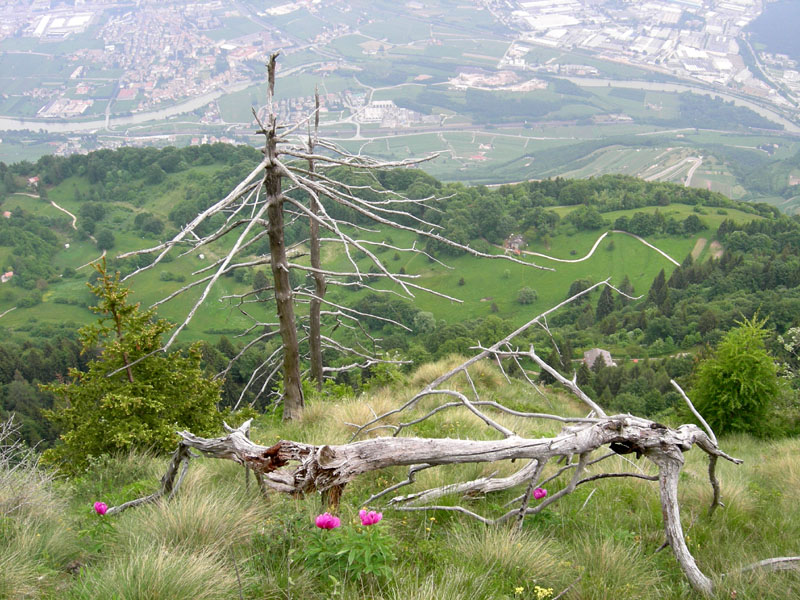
683 315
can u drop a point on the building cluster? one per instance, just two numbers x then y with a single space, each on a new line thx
290 110
390 116
156 53
65 108
783 70
697 39
166 55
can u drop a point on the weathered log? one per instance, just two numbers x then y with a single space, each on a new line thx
325 466
300 468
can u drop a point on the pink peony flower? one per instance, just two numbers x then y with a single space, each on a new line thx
539 493
100 508
369 518
327 521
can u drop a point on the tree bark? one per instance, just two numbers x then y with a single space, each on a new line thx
315 320
670 461
292 389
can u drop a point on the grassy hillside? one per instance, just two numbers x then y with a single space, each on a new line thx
488 281
220 539
66 297
485 282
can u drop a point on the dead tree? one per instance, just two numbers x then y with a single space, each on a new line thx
315 305
583 442
293 182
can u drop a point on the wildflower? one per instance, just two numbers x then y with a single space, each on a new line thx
369 518
539 493
327 521
518 590
100 508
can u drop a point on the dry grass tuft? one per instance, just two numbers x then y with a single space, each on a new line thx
160 573
198 520
615 571
449 584
483 373
526 556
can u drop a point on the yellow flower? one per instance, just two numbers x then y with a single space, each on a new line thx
542 593
518 590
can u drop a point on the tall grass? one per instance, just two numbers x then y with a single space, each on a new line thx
202 517
35 541
159 573
219 539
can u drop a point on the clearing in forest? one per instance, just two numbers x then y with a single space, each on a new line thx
698 248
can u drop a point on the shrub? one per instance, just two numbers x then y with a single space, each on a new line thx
527 296
735 388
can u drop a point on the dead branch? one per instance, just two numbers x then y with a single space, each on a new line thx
783 563
488 352
296 467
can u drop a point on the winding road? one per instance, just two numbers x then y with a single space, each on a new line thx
596 244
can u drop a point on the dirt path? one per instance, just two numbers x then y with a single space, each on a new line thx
92 261
698 161
64 210
698 247
596 244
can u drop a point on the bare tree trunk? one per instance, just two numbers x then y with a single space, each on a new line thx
670 460
315 321
292 389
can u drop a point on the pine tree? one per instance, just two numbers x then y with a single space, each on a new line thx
605 304
658 291
145 402
626 287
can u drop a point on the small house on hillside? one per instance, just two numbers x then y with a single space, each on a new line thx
590 356
6 276
514 242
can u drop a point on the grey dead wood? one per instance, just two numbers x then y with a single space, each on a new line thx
299 468
293 182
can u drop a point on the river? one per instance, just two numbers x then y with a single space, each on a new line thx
776 28
9 123
64 126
